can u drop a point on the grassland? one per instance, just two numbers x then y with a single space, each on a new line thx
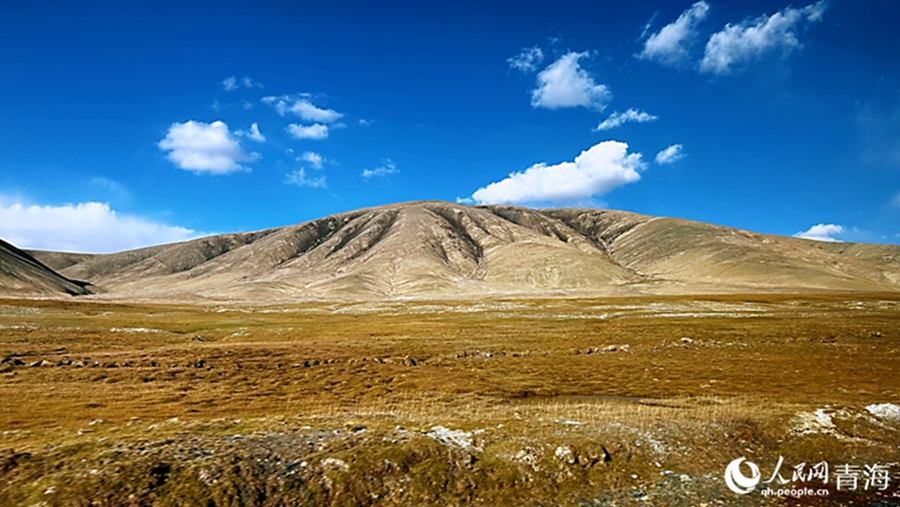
614 401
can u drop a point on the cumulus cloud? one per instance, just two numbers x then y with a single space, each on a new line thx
748 40
383 170
315 131
565 84
254 133
596 171
300 179
617 119
204 148
670 45
314 159
300 105
821 232
670 155
90 227
527 60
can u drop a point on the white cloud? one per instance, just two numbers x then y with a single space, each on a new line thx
670 45
254 133
821 232
365 123
527 60
230 84
594 172
204 148
300 179
383 170
618 119
250 83
316 131
670 155
300 105
90 227
313 158
648 25
750 39
565 84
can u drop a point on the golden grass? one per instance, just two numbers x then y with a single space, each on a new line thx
699 380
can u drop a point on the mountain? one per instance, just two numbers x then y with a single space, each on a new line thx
440 249
22 274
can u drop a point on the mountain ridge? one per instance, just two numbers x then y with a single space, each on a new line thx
441 249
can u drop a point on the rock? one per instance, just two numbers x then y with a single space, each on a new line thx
34 364
78 364
565 454
610 348
18 362
529 456
453 438
887 411
687 341
46 363
335 463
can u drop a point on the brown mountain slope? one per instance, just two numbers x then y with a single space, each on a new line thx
697 254
22 274
444 249
58 260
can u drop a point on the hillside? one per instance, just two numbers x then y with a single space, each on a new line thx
438 249
22 274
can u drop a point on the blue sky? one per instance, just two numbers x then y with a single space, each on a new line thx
132 123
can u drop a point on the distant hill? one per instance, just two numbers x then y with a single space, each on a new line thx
22 274
440 249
